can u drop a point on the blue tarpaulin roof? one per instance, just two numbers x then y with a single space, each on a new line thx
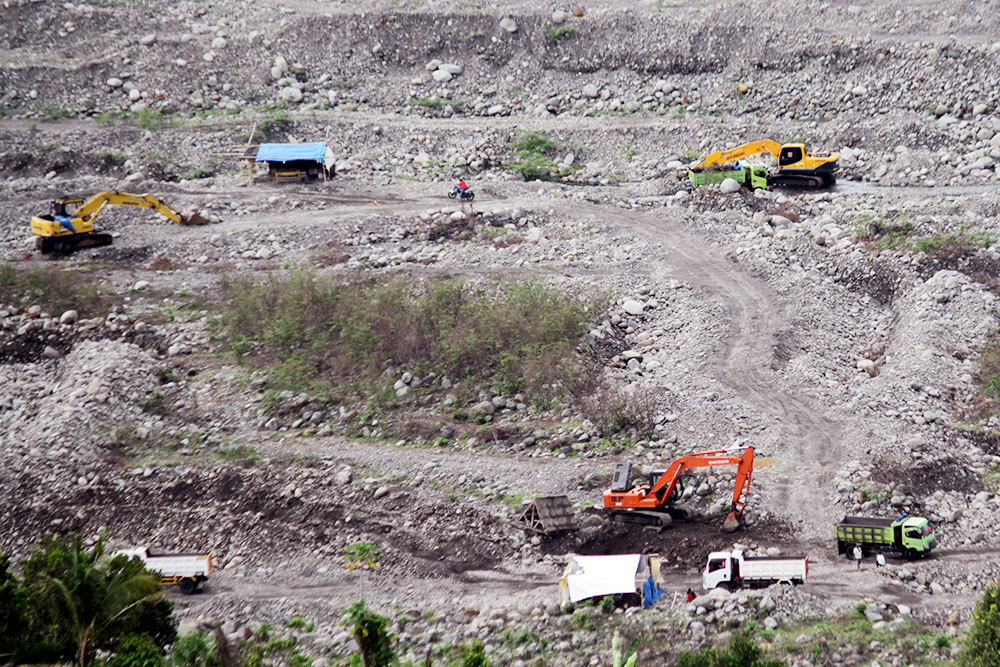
287 152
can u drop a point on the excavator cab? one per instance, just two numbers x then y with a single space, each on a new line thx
790 154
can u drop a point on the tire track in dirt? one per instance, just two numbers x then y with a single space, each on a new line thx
756 318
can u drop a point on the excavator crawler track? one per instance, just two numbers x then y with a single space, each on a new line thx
67 245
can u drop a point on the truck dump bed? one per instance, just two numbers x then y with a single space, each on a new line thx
788 568
865 522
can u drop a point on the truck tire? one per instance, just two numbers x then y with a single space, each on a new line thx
725 585
187 586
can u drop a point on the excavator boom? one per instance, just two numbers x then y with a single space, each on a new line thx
740 152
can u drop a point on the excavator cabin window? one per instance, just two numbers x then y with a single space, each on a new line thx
790 155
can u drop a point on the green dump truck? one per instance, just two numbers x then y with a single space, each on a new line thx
909 536
750 174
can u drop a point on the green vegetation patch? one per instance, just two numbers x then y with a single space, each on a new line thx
561 33
324 335
957 244
535 153
55 289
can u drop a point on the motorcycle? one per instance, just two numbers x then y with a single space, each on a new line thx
467 195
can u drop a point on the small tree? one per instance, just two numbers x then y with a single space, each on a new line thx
982 645
13 612
87 604
374 641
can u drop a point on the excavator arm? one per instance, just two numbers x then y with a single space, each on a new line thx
746 150
93 206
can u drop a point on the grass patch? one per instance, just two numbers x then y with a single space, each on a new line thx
242 454
614 412
265 129
315 333
882 233
56 113
535 153
561 33
55 289
436 102
957 244
147 118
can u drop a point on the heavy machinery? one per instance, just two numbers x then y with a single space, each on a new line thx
730 570
70 225
796 168
909 536
186 571
651 503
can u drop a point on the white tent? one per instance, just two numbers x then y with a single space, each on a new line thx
591 576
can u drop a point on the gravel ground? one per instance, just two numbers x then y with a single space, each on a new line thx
775 319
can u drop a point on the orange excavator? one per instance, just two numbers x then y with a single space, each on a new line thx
650 503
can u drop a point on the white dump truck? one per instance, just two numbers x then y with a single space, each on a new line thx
731 570
186 571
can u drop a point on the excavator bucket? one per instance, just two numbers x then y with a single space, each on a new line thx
193 218
731 523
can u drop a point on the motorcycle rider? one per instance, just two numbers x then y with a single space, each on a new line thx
461 187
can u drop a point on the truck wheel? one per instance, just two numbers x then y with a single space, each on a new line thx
187 586
724 585
907 553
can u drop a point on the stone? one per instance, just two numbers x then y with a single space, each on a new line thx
559 17
344 476
451 68
770 623
381 492
115 82
290 94
272 424
69 317
148 40
432 65
508 24
441 76
590 90
633 307
484 408
729 186
140 285
51 353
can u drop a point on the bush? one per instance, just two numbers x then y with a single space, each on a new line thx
362 554
741 652
194 650
53 288
614 411
982 644
317 334
137 651
534 152
369 631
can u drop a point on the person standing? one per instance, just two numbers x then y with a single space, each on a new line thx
858 555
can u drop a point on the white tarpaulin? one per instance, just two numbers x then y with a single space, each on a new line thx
590 576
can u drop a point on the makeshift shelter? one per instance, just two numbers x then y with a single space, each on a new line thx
298 163
593 576
548 514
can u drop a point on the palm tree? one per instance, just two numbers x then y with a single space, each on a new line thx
91 602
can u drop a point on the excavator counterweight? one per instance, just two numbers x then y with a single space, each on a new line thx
653 503
70 225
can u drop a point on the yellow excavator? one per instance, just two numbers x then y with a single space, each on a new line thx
70 225
796 168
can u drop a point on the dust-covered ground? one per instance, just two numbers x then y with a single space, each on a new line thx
838 332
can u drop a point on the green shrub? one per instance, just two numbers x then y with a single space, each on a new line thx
362 555
561 33
614 411
957 244
299 623
534 152
315 333
371 634
194 650
741 652
53 288
982 644
137 651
